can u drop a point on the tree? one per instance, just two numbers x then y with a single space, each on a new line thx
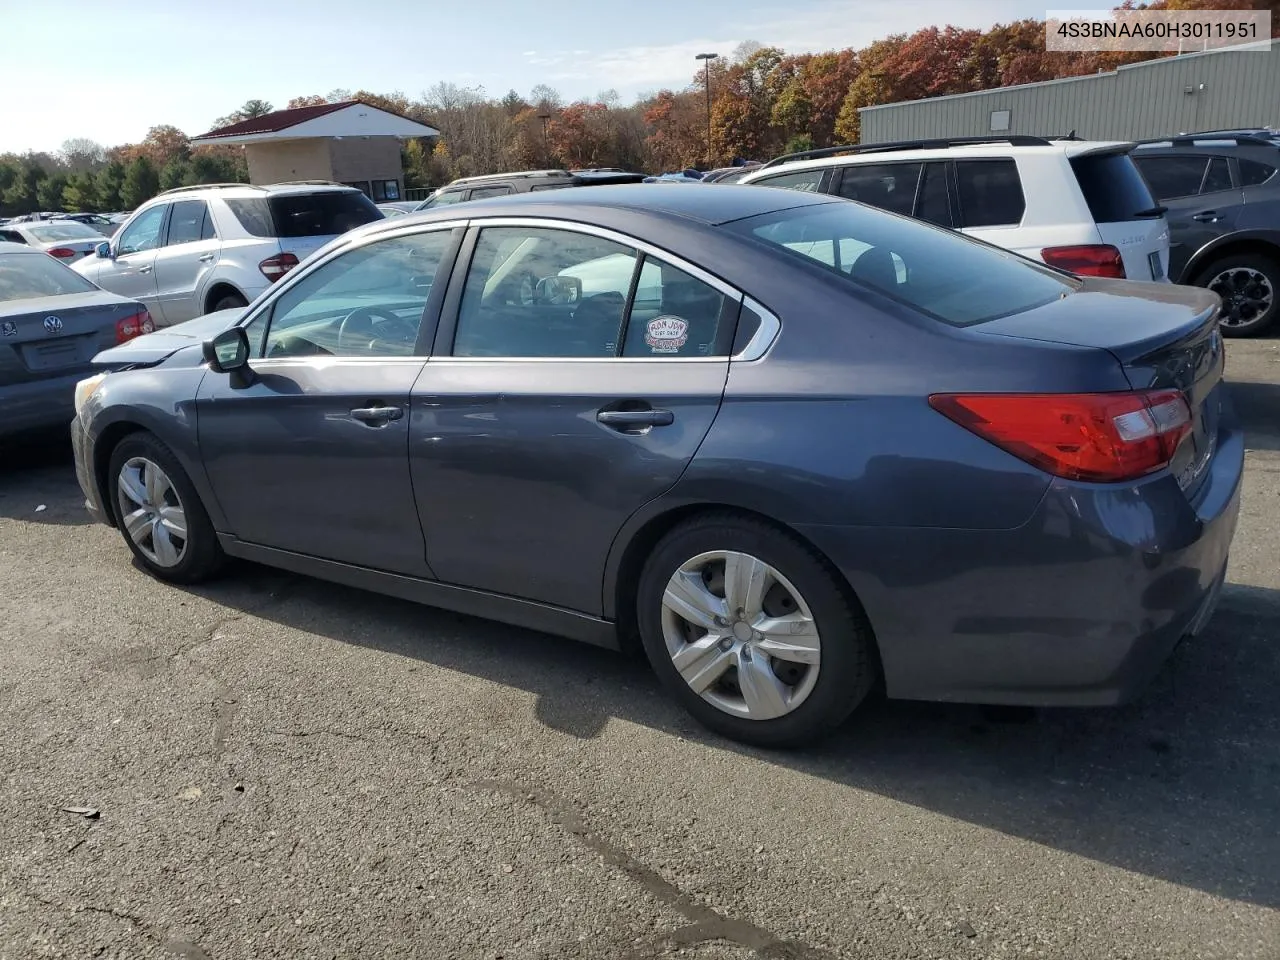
49 192
313 100
80 154
141 183
22 196
174 174
246 111
81 193
110 185
164 144
546 98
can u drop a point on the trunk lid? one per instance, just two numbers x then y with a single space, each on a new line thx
1165 337
57 336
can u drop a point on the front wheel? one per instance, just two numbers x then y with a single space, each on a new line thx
748 628
160 514
1249 285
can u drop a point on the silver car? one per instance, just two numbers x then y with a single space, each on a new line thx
64 240
52 323
194 250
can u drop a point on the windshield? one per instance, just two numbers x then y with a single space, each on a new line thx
67 230
27 275
940 273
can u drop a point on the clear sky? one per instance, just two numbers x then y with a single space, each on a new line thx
110 69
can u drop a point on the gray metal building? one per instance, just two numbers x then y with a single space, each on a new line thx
1198 91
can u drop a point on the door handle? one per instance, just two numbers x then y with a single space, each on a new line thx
1206 216
631 419
377 416
207 257
144 269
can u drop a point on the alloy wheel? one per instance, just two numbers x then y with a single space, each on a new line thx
741 635
151 512
1247 295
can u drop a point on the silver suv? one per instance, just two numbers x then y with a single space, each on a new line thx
194 250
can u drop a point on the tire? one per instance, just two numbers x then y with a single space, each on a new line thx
229 301
196 554
817 696
1249 284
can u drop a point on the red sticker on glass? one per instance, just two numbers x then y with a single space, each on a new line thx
666 334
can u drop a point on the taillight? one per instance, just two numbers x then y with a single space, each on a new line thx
1087 260
273 268
134 326
62 253
1099 437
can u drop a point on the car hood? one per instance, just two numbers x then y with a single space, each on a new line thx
151 348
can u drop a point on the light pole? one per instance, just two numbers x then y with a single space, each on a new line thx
546 150
706 73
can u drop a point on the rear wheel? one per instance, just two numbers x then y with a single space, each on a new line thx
750 631
228 301
160 514
1249 285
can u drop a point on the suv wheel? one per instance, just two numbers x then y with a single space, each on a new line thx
752 633
1249 285
229 301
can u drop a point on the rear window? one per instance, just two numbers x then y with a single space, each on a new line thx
67 230
939 273
1112 187
322 214
25 275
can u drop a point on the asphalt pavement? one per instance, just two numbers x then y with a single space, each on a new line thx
272 766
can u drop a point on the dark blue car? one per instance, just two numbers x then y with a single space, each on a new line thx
788 443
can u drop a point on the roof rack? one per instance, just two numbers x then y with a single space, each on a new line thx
1240 139
510 176
209 186
307 183
599 170
935 144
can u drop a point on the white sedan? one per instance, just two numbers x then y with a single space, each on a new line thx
64 240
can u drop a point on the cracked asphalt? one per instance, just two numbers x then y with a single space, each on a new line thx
285 768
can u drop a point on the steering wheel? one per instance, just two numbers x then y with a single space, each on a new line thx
375 323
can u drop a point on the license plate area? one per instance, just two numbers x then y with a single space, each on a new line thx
54 355
1157 265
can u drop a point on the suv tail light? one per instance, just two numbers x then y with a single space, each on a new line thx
134 326
62 253
1098 437
273 268
1087 260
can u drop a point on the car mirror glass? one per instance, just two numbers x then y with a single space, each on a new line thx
228 351
103 250
559 290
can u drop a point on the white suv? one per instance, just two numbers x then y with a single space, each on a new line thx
194 250
1078 205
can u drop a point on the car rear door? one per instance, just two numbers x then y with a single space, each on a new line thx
575 374
183 263
1124 211
1197 191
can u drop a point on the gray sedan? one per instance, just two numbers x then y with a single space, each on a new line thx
52 323
64 240
790 444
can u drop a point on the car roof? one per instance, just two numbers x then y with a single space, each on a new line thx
722 205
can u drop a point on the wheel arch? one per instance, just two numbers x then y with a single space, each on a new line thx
1265 242
104 445
220 289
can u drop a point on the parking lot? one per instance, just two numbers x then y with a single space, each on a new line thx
284 768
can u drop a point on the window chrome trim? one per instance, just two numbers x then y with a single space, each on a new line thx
610 360
317 361
342 245
765 335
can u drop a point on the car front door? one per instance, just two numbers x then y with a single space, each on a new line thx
311 455
574 376
1201 202
131 270
182 264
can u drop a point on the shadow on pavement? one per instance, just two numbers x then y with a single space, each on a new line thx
1182 786
1257 406
38 471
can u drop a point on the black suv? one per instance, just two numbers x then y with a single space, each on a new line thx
1223 200
501 184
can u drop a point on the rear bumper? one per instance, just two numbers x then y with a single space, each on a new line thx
1081 606
39 403
82 448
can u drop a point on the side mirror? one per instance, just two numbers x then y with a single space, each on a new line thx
558 290
228 351
103 250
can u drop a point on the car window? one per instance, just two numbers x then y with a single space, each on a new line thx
941 274
990 193
12 236
674 314
65 230
1172 177
537 292
807 181
889 186
322 214
932 204
1112 187
1253 173
29 275
440 199
186 222
253 214
480 193
144 232
549 186
1217 177
207 231
366 302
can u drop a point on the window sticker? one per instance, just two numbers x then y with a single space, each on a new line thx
666 334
